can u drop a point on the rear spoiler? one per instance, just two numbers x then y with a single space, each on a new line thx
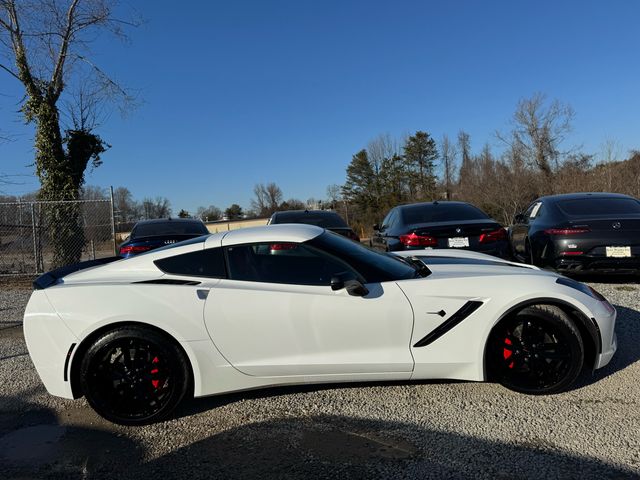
50 278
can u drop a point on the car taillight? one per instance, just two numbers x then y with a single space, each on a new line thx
133 249
567 231
414 240
500 234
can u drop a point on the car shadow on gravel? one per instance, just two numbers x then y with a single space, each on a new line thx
35 444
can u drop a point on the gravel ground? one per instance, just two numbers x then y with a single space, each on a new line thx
401 430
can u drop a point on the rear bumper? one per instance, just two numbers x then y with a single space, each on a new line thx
49 342
591 264
500 251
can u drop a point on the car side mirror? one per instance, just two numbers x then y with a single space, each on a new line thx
376 227
351 284
518 218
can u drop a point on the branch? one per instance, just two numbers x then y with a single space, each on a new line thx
24 71
103 75
11 72
55 87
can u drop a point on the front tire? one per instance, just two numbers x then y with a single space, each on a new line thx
537 351
134 375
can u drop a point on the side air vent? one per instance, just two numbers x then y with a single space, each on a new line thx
466 310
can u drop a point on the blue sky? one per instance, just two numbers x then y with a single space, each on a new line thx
243 92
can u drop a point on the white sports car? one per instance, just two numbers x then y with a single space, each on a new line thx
292 304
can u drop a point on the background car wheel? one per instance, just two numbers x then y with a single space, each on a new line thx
134 375
529 257
537 351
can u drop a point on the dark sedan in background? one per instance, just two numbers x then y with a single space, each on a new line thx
442 224
150 234
592 232
321 218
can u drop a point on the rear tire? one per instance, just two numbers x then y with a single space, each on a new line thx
537 351
134 375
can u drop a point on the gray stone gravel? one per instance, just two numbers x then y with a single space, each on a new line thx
400 430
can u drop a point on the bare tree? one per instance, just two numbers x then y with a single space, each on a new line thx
47 43
208 214
93 192
610 152
466 165
267 199
160 207
448 154
127 209
540 128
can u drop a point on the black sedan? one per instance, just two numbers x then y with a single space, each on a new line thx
150 234
593 232
440 225
321 218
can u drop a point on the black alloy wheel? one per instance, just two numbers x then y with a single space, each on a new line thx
537 351
134 376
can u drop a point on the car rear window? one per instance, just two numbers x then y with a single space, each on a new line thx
441 212
582 207
169 228
320 219
201 263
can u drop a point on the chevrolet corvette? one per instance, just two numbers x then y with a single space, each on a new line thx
297 304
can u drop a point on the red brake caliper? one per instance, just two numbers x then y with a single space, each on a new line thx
154 370
506 352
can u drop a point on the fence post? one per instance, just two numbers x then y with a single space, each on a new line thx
113 223
35 243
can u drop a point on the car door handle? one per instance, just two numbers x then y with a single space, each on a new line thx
202 294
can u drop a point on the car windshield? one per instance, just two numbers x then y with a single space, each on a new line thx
441 212
583 207
156 229
321 219
373 266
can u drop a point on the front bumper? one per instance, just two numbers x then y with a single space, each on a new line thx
605 318
605 357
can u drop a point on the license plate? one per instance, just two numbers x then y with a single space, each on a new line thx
618 252
458 242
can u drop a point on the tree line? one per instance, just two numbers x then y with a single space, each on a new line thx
533 161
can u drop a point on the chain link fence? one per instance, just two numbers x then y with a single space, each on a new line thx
36 237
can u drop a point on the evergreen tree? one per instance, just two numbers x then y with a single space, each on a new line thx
420 154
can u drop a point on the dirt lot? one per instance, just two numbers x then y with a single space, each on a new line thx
400 430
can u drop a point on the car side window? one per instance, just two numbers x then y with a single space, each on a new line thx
390 220
283 262
203 263
534 211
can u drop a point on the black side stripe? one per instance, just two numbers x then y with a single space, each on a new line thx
466 310
168 281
